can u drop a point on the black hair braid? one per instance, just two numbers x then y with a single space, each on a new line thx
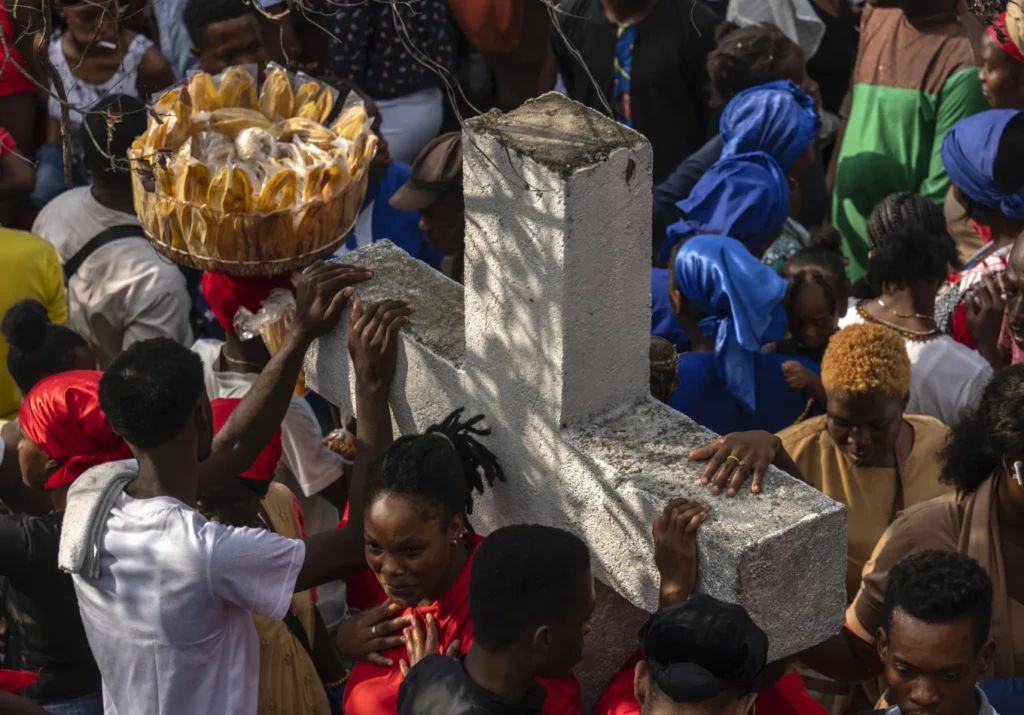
745 57
903 210
474 456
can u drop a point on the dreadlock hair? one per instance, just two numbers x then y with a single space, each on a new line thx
745 57
989 436
439 469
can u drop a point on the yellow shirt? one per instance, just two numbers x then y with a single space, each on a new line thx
867 492
30 269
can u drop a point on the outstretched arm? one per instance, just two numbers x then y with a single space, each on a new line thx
323 293
373 345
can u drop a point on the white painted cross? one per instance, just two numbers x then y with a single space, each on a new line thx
549 338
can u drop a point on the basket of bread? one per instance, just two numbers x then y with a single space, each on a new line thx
227 178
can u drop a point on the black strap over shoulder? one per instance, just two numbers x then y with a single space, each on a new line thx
295 626
114 233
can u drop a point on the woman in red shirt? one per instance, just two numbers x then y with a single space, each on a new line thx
420 546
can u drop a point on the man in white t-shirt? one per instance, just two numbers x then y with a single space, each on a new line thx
309 469
169 616
123 291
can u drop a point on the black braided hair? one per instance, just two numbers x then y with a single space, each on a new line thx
745 57
440 468
903 210
909 242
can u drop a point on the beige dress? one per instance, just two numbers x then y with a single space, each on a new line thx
289 684
869 494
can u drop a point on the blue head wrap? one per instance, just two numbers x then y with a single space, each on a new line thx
745 196
742 298
777 118
969 155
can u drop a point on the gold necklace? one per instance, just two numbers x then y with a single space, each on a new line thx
239 362
898 314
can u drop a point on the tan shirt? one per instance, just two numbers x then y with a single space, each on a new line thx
968 525
867 492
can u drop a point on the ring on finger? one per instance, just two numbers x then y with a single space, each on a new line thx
739 462
373 630
1003 296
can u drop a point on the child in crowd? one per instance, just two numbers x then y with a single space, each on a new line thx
816 300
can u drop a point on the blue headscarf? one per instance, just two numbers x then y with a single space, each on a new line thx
742 298
777 118
745 196
969 155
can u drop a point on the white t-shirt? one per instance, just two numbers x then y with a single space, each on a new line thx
945 376
125 291
307 467
169 619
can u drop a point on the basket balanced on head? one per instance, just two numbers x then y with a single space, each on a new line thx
229 180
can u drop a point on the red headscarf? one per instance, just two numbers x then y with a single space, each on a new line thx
226 294
11 681
263 468
1001 34
62 415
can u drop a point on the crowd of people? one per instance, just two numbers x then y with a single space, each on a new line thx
837 288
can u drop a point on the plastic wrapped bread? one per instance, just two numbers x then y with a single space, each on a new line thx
251 182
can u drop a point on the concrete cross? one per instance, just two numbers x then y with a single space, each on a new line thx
549 338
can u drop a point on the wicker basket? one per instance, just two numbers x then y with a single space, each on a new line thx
283 200
244 244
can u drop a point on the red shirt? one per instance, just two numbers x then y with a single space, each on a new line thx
12 79
786 697
372 690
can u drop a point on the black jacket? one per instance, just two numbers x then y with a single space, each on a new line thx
439 685
668 91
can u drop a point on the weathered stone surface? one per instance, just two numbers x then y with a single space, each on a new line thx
549 339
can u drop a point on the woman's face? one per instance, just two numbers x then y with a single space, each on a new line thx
865 426
93 23
1000 76
811 322
409 548
36 465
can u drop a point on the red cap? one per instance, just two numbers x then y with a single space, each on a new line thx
226 294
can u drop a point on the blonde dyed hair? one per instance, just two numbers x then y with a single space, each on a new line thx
866 358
